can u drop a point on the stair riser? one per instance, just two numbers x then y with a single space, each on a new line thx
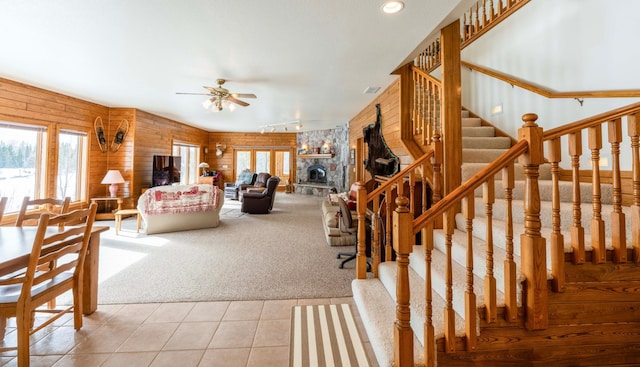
486 142
479 131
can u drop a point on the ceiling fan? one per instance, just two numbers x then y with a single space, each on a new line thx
220 97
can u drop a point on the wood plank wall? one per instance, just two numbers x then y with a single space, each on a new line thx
156 135
232 140
389 101
26 104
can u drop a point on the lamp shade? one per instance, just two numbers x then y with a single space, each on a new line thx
113 178
203 165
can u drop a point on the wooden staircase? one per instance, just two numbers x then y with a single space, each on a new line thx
590 307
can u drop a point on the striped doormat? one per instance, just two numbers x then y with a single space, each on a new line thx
325 335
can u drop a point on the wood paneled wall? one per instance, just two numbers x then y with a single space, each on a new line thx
156 135
389 101
35 106
232 140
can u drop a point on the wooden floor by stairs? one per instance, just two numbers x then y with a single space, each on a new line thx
594 322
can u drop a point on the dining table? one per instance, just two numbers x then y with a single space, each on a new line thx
15 248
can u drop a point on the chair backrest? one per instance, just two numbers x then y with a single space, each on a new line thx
60 251
53 206
346 220
3 204
272 185
261 179
246 178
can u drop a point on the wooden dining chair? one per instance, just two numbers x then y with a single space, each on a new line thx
3 204
31 209
24 292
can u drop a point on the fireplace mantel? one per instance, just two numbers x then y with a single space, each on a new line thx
325 155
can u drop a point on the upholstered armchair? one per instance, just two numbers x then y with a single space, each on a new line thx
261 202
245 178
258 185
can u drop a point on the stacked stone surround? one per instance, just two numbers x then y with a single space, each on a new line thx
337 167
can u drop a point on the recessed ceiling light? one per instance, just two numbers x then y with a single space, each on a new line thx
392 6
371 90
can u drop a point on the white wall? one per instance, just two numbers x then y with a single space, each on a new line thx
563 45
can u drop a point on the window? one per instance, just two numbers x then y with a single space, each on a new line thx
190 158
72 156
243 161
22 163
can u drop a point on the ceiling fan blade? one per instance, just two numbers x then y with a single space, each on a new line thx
243 95
195 94
237 101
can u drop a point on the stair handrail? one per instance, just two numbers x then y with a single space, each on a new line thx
470 185
591 121
548 93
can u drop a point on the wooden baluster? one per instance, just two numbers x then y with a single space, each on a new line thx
425 183
388 214
449 313
412 193
490 301
477 19
427 114
416 102
484 14
437 167
618 224
492 13
403 244
577 231
465 27
375 238
470 307
533 246
554 154
597 224
429 330
361 210
510 274
633 129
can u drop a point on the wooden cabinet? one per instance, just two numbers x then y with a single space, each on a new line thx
211 180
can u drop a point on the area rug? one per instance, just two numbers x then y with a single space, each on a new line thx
325 335
281 255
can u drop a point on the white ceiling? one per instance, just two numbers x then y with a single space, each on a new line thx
307 60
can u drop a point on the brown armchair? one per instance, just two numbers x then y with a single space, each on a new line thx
258 184
245 179
261 202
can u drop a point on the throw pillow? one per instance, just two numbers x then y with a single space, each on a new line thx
245 177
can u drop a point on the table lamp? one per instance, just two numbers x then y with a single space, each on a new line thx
113 178
204 166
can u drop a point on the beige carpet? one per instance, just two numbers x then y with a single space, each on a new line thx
281 255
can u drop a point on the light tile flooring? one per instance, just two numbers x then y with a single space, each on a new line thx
237 333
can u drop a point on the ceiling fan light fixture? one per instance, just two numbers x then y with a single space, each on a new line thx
392 6
206 103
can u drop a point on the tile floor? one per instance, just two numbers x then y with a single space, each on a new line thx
204 334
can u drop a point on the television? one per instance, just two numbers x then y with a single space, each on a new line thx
166 170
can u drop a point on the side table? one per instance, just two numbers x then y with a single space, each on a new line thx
108 213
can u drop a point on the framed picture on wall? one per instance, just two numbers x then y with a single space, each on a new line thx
352 157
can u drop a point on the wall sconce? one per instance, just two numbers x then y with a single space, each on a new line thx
220 148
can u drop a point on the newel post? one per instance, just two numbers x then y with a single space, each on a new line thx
361 209
403 242
533 246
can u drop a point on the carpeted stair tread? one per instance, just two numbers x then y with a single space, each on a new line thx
459 254
565 189
438 273
465 113
471 122
378 312
479 131
481 155
469 169
486 142
546 218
